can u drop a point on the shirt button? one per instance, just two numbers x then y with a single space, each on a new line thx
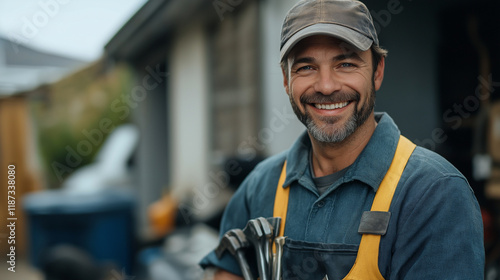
321 204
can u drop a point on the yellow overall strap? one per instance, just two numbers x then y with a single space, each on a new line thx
281 202
366 264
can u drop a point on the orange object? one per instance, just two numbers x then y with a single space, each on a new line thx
162 215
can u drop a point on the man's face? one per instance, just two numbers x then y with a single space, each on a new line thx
331 87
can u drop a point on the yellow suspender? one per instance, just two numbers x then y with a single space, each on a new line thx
366 264
281 201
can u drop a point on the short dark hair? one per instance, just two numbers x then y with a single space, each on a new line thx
377 54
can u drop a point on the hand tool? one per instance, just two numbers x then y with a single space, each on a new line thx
255 235
275 223
238 233
275 226
267 242
279 241
234 246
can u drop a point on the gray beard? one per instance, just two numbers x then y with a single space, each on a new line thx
336 136
324 133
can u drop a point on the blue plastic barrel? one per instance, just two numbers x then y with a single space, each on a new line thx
101 224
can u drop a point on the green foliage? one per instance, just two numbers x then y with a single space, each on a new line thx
80 103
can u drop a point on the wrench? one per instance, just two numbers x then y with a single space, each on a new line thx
238 233
275 223
255 235
234 246
267 242
280 242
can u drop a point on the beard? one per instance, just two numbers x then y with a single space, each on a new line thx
325 130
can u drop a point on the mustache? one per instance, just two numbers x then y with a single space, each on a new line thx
332 98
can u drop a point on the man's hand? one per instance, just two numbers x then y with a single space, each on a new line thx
224 275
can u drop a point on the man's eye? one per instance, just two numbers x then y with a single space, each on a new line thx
304 68
347 65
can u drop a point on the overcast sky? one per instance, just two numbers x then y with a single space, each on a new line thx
74 28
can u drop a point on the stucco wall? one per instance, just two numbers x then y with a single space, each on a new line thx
188 108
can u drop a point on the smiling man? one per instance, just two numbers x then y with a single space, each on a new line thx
332 92
357 199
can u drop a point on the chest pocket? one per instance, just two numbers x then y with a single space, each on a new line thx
303 260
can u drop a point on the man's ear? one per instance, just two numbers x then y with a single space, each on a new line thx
378 76
285 80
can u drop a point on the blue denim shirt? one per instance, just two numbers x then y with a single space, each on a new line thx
435 230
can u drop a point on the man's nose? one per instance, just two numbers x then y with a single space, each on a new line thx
326 82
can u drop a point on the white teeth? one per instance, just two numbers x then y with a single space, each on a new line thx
331 106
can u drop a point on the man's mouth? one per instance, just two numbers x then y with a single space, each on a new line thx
331 106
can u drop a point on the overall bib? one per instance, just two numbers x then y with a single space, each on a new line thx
320 259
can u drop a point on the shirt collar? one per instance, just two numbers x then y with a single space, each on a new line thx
370 166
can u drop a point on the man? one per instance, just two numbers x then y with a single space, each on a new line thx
332 66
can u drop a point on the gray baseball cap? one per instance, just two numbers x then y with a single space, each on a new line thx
348 20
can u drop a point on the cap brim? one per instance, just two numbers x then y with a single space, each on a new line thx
343 33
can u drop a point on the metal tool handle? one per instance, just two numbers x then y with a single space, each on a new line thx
245 268
277 267
274 268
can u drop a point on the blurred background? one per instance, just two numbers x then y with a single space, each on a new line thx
129 124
